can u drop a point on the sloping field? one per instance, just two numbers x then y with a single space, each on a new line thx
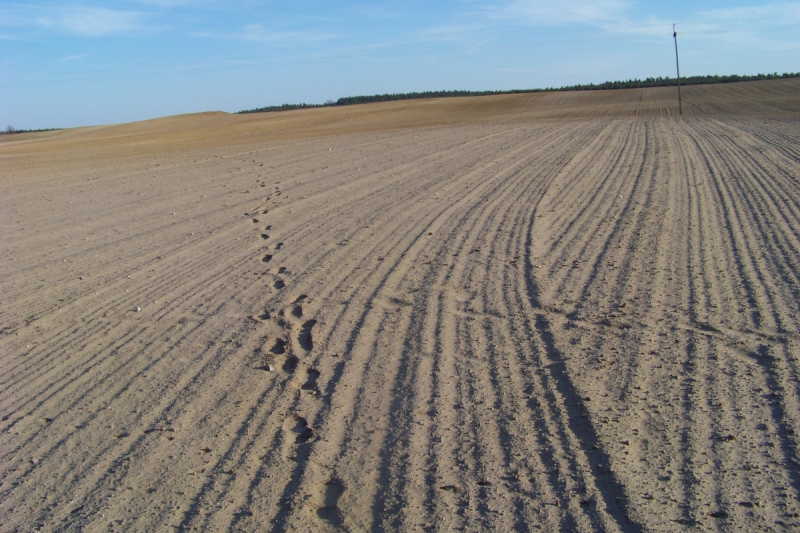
215 130
498 322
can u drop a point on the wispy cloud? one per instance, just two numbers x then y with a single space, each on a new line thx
257 33
73 58
548 13
169 4
782 13
450 30
620 16
75 20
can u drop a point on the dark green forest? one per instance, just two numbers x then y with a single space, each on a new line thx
11 130
628 84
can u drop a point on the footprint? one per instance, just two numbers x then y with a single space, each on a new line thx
279 246
282 270
290 365
268 228
279 347
328 501
299 428
280 284
305 338
311 382
264 316
266 259
298 311
264 236
255 221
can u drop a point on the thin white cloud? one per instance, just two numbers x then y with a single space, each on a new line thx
449 30
94 22
168 4
782 13
619 17
73 58
259 34
549 13
75 20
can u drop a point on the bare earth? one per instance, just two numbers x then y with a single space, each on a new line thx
567 311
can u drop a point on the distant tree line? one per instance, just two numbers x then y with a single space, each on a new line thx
11 129
628 84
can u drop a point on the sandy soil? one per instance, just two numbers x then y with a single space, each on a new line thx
533 312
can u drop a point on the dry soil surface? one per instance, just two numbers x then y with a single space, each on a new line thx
570 312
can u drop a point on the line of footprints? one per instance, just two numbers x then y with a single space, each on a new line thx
292 337
279 351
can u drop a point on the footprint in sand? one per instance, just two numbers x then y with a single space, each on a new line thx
304 338
279 246
302 430
279 284
328 496
264 236
297 432
279 347
290 364
311 381
266 259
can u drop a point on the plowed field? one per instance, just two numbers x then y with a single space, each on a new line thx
488 321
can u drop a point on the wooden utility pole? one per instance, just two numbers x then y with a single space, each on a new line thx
678 65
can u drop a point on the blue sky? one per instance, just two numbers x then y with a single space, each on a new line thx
85 62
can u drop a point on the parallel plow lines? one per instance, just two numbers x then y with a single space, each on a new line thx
577 325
